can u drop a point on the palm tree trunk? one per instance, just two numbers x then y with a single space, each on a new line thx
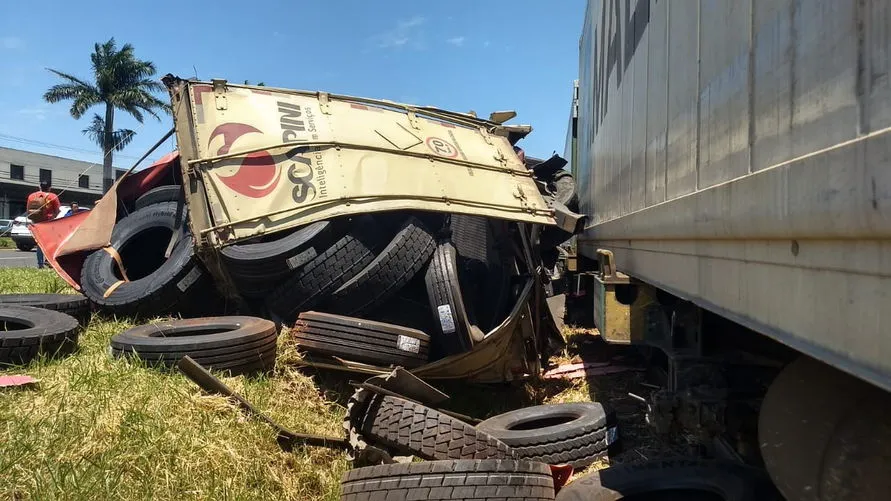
107 149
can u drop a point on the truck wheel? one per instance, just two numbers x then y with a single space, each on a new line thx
452 333
574 433
156 286
258 267
316 280
237 344
24 247
158 195
28 332
504 480
361 340
411 428
813 415
389 272
482 270
673 479
75 305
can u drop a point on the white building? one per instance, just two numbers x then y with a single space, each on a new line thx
21 173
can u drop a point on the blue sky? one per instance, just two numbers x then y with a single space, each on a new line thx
462 55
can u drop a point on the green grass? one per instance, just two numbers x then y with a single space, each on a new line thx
102 428
32 280
6 243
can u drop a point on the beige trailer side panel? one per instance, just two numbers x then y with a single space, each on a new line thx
273 159
766 178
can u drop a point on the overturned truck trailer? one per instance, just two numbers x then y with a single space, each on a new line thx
260 161
733 156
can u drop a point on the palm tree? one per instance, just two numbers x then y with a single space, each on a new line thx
122 82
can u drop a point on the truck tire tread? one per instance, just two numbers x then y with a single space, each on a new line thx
315 281
394 267
412 428
478 480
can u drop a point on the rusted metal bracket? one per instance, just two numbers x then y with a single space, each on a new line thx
325 103
606 264
619 302
219 93
412 119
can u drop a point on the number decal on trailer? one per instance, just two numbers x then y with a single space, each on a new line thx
442 147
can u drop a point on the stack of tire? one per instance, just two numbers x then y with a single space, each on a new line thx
505 457
435 283
40 325
448 276
460 461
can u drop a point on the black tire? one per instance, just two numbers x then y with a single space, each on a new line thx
35 331
158 195
317 279
573 433
389 272
238 344
75 305
24 248
452 332
176 285
685 478
258 267
361 340
482 270
410 428
493 479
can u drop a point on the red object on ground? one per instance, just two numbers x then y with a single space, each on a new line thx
15 381
51 235
561 474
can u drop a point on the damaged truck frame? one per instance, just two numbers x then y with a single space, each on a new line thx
255 161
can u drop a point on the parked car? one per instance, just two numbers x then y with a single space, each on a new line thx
21 232
5 227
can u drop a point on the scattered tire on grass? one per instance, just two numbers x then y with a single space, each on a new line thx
257 267
492 479
411 428
680 478
154 285
75 305
573 433
452 333
390 271
27 332
158 195
361 340
322 275
237 344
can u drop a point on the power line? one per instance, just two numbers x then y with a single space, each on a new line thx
44 144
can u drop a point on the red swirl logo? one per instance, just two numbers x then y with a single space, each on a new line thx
257 175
